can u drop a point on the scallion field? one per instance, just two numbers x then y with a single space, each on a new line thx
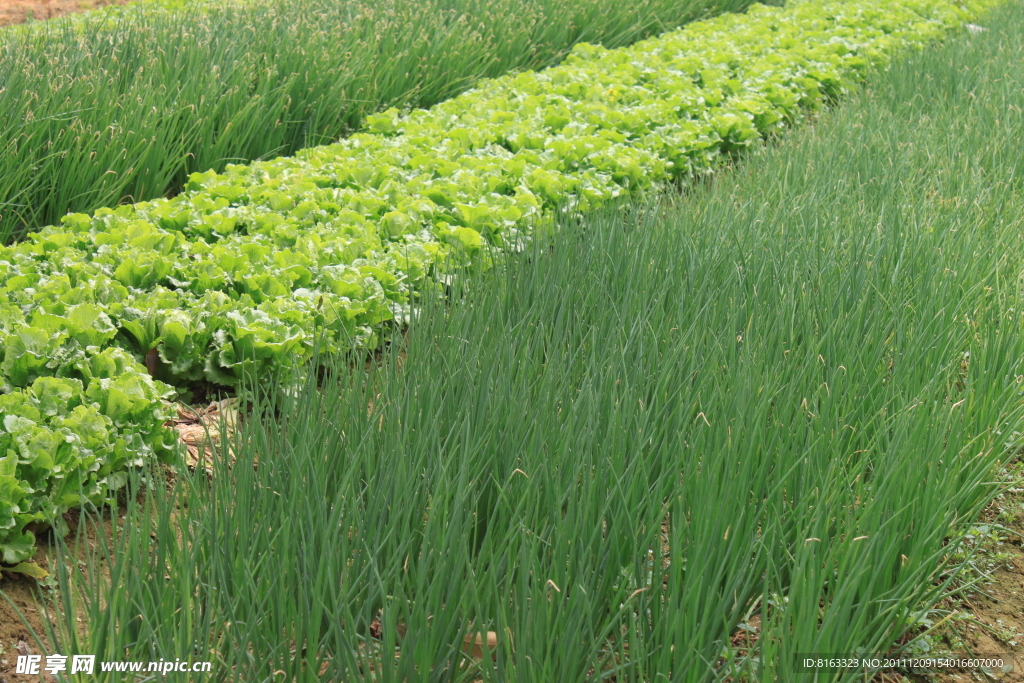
517 341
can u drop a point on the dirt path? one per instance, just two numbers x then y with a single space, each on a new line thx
18 11
991 618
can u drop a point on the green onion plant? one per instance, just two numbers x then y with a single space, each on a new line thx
687 440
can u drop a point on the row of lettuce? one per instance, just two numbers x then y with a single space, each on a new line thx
128 101
247 271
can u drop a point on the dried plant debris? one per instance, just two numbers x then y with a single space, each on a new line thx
204 430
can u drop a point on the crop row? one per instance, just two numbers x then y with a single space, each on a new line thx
82 18
771 406
126 103
240 275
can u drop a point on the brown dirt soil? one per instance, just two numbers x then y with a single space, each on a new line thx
18 11
15 639
995 612
24 592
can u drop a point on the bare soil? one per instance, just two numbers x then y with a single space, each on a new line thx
995 612
26 593
19 11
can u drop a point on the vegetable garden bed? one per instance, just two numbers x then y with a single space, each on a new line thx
234 279
773 405
122 104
